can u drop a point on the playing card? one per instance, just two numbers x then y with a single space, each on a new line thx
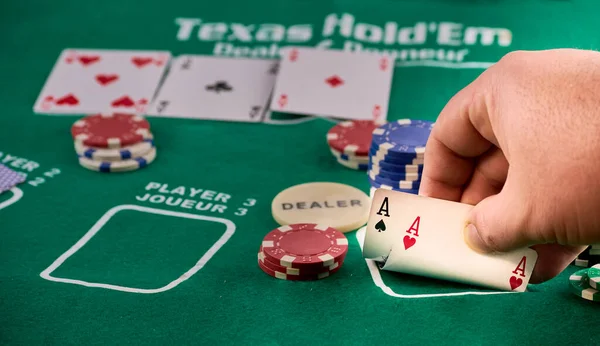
87 81
333 83
9 178
217 88
424 236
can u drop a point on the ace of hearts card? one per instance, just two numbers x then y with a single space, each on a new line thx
424 236
333 83
85 81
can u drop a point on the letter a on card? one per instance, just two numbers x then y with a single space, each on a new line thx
413 230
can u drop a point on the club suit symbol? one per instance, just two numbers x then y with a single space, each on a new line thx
219 86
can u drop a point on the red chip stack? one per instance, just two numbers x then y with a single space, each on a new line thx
350 141
113 142
302 252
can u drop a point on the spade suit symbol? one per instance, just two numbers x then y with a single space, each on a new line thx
380 226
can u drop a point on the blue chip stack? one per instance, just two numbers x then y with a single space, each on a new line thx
396 155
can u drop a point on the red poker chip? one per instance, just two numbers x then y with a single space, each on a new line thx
350 156
352 137
111 130
284 276
295 271
305 246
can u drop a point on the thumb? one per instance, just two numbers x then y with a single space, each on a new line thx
498 223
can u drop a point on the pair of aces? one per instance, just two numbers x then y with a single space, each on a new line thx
424 236
305 81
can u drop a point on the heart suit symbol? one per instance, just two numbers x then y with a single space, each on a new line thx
105 79
88 59
67 100
124 101
141 62
408 242
515 282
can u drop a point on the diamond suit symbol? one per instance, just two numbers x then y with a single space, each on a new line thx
334 81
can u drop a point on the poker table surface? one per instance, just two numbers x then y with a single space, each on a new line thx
168 254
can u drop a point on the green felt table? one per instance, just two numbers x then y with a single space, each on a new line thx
148 258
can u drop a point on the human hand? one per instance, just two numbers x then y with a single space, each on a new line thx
522 144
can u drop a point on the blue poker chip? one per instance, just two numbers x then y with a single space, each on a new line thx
407 159
401 184
376 171
397 185
394 168
378 185
401 137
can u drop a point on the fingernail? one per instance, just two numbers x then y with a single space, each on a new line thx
473 239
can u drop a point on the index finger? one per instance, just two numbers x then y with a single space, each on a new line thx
456 141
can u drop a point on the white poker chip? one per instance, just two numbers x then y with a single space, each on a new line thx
119 166
120 154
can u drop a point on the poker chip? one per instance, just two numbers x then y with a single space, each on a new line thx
580 286
404 173
295 271
396 160
351 158
587 259
305 246
403 185
352 137
390 178
594 276
336 205
353 165
119 166
113 130
285 276
396 155
125 153
394 168
113 142
402 137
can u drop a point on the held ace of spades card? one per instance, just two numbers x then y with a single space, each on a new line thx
333 83
424 236
217 88
97 81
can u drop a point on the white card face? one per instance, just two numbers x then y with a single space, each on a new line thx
333 84
102 81
425 236
217 88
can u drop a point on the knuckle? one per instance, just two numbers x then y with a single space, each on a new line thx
515 58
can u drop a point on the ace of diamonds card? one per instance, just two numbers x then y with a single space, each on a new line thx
425 236
97 81
333 84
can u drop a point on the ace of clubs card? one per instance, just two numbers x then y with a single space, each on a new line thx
217 88
98 81
424 236
333 83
